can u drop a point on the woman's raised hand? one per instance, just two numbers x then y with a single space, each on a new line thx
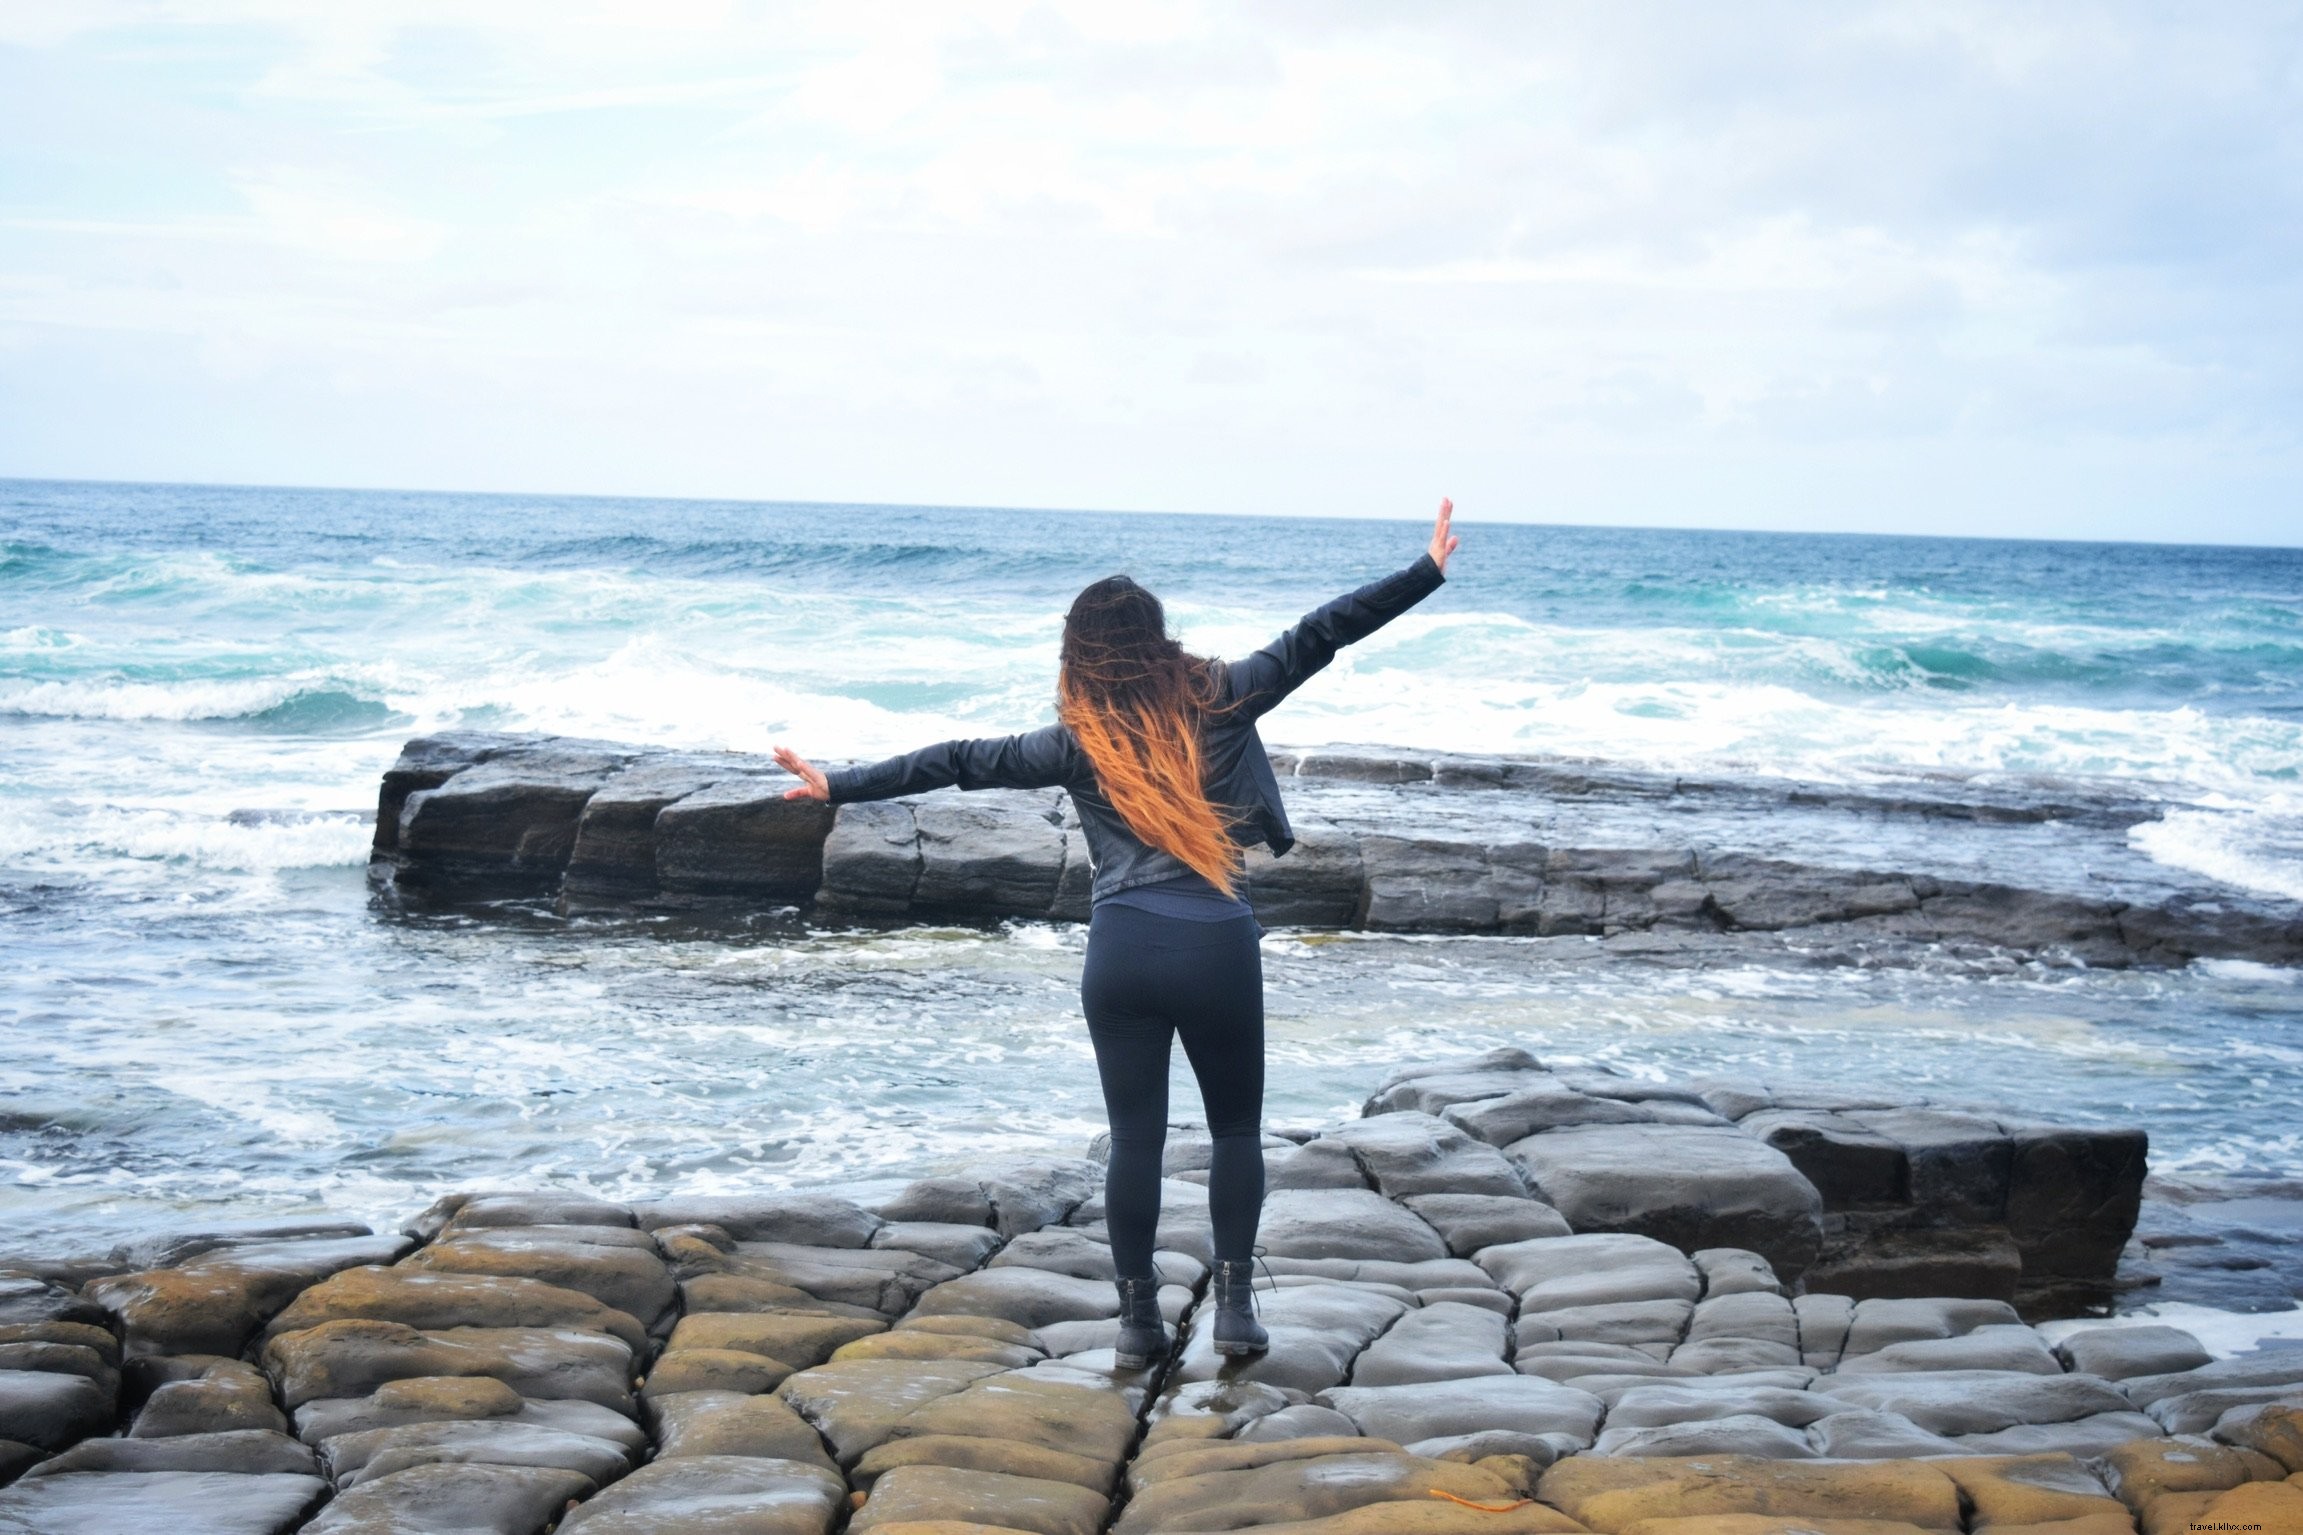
811 778
1443 542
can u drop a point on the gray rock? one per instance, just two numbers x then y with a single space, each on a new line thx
1520 1403
504 827
1756 1314
963 1247
2119 1353
1593 1268
1613 1388
1442 1341
179 1502
1317 1330
1958 1164
226 1396
1470 1449
1995 1347
2269 1367
692 1423
2097 1434
1469 1222
1318 883
908 1495
1849 1163
453 1500
1742 1434
994 852
169 1249
944 1201
802 1220
2195 1412
1028 1193
242 1452
1733 1355
871 859
715 1495
1345 1223
1306 1420
49 1411
1976 1401
1876 1324
363 1457
1546 1105
886 1280
1323 1163
613 861
1690 1186
1408 1153
1619 1322
446 1399
1426 1278
1734 1271
742 840
1665 1402
350 1359
1863 1434
1823 1323
2073 1194
484 1212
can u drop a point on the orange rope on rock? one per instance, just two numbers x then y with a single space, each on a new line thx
1485 1508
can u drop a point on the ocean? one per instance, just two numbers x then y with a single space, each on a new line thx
207 1018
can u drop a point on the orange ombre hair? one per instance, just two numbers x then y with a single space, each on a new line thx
1133 698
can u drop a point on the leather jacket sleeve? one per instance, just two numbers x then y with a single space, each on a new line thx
1038 759
1260 681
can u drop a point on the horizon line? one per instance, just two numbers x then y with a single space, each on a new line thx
1085 511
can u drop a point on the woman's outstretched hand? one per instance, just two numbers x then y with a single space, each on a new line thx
811 778
1443 542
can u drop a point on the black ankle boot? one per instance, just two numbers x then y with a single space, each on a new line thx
1143 1332
1236 1329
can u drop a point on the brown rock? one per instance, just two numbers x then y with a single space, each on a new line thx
503 1500
2016 1490
715 1495
341 1359
855 1404
2142 1469
1610 1493
714 1369
911 1493
798 1340
692 1423
2274 1429
1315 1487
937 1345
980 1454
429 1301
215 1304
739 1292
2264 1506
225 1397
628 1279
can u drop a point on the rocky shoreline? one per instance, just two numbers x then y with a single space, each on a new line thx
1389 842
1505 1298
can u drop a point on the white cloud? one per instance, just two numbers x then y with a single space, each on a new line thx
1583 261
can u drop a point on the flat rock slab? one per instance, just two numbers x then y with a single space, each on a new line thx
626 1278
347 1359
1345 1223
453 1500
215 1303
716 1495
48 1411
1409 1153
362 1457
908 1494
1521 1403
2120 1353
1977 1401
1469 1222
245 1452
855 1404
1444 1340
693 1423
1614 1493
803 1220
178 1502
1588 1269
428 1300
1323 1480
450 1399
1692 1186
1317 1330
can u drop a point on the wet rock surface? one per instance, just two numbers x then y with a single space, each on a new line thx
1470 1332
1661 866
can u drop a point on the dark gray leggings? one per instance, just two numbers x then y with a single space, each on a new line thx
1148 979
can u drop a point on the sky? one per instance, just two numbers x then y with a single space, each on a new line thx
1992 268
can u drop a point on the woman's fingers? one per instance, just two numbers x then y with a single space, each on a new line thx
812 784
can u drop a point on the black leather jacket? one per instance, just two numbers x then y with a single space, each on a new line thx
1238 773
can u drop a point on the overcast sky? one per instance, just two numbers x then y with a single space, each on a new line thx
1988 268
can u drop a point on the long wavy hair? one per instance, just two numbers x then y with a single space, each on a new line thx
1135 700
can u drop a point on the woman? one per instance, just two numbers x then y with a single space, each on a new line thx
1159 752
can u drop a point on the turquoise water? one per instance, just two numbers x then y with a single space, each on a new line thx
199 687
